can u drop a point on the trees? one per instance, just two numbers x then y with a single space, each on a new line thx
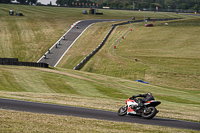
21 1
165 4
184 6
137 4
32 2
196 7
154 5
59 2
5 1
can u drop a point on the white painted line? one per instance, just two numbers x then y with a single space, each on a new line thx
71 45
59 39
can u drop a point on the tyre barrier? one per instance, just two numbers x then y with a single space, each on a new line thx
14 61
8 60
86 59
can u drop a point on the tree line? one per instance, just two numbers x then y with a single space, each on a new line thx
136 4
127 4
20 1
152 4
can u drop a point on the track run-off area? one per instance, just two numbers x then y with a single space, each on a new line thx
45 108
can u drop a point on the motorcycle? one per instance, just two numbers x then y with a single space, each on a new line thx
147 111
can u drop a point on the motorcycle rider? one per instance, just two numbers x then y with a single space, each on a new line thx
147 97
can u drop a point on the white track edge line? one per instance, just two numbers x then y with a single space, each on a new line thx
59 40
71 45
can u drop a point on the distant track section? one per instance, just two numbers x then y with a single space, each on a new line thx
59 49
44 108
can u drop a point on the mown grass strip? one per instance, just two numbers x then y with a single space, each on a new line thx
13 121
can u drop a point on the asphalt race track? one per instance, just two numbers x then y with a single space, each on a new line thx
44 108
58 51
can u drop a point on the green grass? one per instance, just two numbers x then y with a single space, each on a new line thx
167 55
167 59
83 89
33 122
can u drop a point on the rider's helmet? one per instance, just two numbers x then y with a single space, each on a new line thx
149 93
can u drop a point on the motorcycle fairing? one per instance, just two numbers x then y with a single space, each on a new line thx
131 103
130 110
129 100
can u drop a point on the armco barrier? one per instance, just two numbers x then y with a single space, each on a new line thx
86 59
14 61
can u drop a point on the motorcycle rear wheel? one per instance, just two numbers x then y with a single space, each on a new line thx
122 111
151 112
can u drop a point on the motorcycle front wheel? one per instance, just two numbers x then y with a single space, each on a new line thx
122 111
149 112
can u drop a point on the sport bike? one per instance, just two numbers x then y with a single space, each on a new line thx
147 111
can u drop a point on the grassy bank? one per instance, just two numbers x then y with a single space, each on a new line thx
83 89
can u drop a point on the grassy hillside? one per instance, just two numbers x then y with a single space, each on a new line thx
164 59
41 27
167 55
